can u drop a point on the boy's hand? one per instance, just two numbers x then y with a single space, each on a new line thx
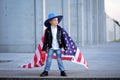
43 52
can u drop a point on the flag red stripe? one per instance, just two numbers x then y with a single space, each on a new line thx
42 39
24 66
66 58
63 58
42 56
62 52
79 57
39 49
35 59
85 63
41 62
29 65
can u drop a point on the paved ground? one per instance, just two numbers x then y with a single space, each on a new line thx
103 61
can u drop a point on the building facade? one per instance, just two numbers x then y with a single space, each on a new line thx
112 30
21 22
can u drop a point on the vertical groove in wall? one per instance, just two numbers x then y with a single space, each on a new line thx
44 13
62 12
82 23
97 36
77 13
91 25
69 16
35 22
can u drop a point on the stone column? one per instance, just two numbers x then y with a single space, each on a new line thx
95 21
101 21
66 15
40 18
80 22
73 20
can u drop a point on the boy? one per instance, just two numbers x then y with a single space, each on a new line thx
53 42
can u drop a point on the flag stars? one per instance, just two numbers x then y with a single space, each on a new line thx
66 51
63 32
66 39
73 47
74 50
71 43
67 45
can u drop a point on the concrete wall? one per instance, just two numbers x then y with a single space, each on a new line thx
17 26
21 22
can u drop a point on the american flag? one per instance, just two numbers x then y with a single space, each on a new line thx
71 53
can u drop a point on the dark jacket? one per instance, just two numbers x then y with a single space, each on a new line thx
48 39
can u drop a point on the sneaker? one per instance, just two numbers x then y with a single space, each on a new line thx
63 73
45 73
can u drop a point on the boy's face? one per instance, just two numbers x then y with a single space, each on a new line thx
54 22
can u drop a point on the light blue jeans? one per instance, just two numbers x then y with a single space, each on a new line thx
49 59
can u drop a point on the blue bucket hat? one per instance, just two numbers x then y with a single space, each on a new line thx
52 16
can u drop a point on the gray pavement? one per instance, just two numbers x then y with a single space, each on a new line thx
103 61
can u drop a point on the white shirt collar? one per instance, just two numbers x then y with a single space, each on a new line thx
53 27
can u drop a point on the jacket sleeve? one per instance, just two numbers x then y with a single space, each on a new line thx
45 43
